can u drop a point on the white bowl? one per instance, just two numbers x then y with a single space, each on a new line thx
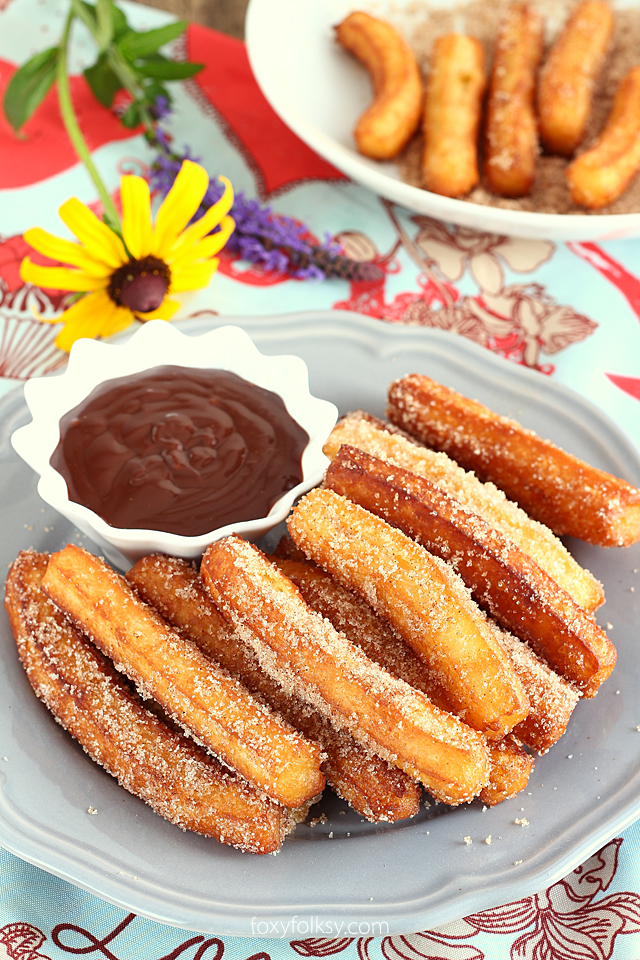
159 343
320 91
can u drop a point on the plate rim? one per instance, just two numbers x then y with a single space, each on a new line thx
126 894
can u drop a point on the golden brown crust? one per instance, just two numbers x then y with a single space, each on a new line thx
423 599
355 618
569 75
600 175
483 499
551 698
502 579
511 140
178 779
452 112
565 493
511 767
394 116
213 707
303 651
374 788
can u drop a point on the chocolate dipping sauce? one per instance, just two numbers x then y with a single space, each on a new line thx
180 450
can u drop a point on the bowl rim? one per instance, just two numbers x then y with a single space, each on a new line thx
92 363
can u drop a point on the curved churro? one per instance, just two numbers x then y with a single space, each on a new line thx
178 779
367 433
556 488
511 137
306 654
394 116
502 579
600 175
569 75
452 111
425 602
373 787
214 708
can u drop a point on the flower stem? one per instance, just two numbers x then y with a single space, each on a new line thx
75 134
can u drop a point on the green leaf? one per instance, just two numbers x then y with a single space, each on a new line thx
135 45
102 80
131 117
120 25
87 13
159 68
29 86
104 24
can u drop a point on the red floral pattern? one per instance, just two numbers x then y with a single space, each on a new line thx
21 941
561 923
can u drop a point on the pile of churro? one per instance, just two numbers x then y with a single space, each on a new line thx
415 630
489 123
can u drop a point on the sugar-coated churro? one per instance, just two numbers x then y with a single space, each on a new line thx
452 111
556 488
511 137
600 175
568 77
502 579
177 778
510 770
216 710
484 499
394 116
423 599
350 614
551 698
373 787
305 653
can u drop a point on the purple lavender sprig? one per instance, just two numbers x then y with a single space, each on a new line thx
271 240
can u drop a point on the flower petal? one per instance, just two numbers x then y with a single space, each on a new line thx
59 278
215 214
179 206
101 242
167 309
137 231
65 251
206 248
87 318
193 276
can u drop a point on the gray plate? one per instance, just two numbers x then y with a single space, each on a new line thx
368 878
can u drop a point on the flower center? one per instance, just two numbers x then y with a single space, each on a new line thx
140 285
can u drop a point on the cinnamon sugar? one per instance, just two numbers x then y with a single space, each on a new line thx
550 193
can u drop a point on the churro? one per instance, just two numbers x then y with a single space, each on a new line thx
502 579
391 120
306 654
511 138
216 710
569 75
600 175
510 770
484 499
452 111
423 599
86 695
551 698
371 785
556 488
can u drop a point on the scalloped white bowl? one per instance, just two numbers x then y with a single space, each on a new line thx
157 343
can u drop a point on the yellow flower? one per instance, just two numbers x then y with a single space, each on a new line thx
134 279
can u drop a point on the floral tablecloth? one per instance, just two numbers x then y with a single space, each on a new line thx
570 311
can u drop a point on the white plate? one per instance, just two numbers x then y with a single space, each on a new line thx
403 877
320 91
